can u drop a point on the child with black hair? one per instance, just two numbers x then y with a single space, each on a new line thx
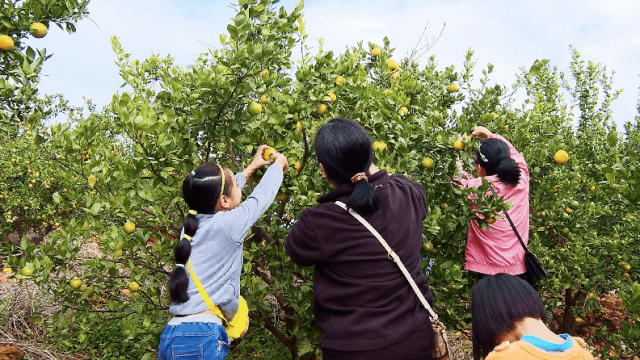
508 322
497 250
205 285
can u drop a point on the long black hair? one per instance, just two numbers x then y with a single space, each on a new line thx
201 191
344 149
494 158
497 303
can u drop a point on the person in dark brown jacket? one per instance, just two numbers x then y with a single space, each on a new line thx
362 303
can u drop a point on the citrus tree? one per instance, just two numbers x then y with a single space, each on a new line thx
27 176
21 24
114 179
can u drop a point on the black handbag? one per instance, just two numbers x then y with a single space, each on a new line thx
534 268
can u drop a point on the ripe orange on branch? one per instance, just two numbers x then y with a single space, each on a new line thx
129 227
6 43
38 30
393 64
427 163
378 146
254 108
561 157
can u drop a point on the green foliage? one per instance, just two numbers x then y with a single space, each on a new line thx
169 119
20 67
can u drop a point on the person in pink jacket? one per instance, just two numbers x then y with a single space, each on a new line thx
498 250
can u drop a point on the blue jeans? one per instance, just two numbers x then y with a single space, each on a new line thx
195 337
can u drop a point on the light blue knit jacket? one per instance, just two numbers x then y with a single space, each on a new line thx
216 248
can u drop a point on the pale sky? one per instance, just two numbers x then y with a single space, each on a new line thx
508 34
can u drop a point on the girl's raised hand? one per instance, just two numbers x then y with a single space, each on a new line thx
481 132
258 161
282 161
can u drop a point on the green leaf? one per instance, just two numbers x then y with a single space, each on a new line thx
612 139
232 31
95 209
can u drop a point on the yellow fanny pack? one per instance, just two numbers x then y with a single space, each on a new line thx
240 322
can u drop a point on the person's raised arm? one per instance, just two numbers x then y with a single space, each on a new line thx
257 162
251 209
466 180
483 132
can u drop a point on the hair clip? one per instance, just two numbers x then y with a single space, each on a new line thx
359 176
193 172
193 212
180 265
185 236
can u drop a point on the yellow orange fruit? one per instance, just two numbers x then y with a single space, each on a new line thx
340 80
254 108
264 99
452 88
378 146
26 271
129 227
333 97
267 153
561 157
375 52
38 30
393 64
75 283
427 163
6 42
458 145
321 109
404 110
297 166
134 287
264 73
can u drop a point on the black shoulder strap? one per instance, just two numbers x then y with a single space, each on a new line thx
512 226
